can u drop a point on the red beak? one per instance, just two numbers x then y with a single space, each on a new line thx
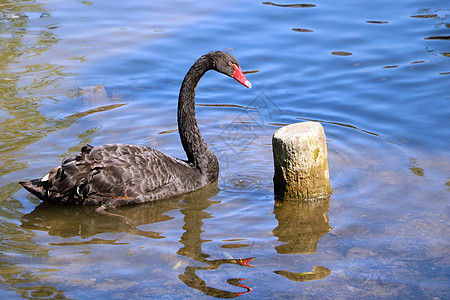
239 76
245 262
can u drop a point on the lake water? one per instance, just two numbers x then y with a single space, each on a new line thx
375 74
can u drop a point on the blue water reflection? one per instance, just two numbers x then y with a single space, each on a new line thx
375 74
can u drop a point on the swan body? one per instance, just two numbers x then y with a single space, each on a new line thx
119 174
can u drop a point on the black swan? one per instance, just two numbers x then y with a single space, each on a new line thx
118 174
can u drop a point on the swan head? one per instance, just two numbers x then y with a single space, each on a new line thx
227 64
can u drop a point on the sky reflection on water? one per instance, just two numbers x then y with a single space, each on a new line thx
374 74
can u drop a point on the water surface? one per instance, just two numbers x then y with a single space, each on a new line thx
375 75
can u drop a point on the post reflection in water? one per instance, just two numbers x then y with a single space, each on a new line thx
301 224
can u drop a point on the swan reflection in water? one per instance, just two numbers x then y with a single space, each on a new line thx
82 221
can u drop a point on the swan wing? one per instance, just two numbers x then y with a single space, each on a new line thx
117 173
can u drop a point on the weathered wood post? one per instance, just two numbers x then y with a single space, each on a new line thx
301 163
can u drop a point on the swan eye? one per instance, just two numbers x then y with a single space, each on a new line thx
230 63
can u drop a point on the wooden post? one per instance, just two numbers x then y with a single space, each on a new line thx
301 163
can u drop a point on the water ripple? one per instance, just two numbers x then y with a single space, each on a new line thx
301 30
243 182
289 5
341 53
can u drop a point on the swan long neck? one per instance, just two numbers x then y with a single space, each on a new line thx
197 151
